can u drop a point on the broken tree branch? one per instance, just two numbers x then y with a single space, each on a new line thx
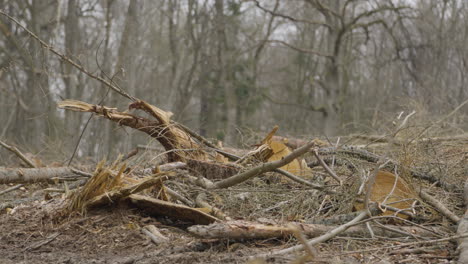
330 234
250 230
265 167
18 153
441 208
38 174
327 169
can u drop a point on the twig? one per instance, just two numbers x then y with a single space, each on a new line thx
154 234
311 251
42 243
327 169
201 201
378 249
18 153
11 189
370 185
302 181
178 196
22 157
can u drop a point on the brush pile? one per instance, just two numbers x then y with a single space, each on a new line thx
392 198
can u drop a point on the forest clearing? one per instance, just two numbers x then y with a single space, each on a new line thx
223 132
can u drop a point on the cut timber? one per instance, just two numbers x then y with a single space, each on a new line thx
162 208
37 174
391 190
175 140
251 230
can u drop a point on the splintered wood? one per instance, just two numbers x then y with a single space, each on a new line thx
176 141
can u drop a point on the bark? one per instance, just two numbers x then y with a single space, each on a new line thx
36 174
250 230
162 208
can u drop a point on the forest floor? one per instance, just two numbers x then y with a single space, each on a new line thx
35 232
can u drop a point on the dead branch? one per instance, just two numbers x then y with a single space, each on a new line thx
11 189
250 230
330 234
371 157
265 167
410 244
153 233
154 206
440 207
302 181
23 157
201 202
38 174
18 153
327 169
178 196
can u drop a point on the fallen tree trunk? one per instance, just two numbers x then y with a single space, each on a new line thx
252 230
162 208
23 175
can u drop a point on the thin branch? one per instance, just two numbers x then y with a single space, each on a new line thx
18 153
325 166
68 60
309 51
293 19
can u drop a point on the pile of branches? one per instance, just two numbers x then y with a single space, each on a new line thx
349 191
342 190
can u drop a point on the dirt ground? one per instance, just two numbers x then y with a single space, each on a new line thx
34 232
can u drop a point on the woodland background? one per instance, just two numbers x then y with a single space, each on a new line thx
230 68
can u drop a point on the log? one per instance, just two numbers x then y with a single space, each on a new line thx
162 208
21 175
250 230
